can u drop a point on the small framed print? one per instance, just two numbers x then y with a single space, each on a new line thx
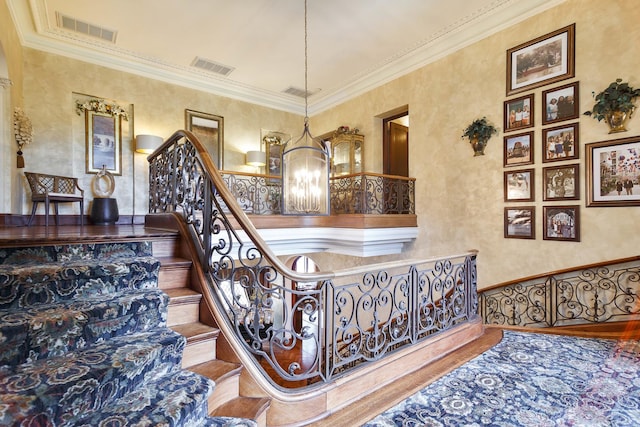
519 185
561 223
561 183
560 143
518 113
613 173
547 59
518 149
519 222
560 104
103 142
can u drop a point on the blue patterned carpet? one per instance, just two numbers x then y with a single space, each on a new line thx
532 380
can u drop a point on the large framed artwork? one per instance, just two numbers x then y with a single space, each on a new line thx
613 172
560 103
560 143
561 223
103 142
209 129
547 59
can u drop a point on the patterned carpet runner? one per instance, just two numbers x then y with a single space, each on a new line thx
532 380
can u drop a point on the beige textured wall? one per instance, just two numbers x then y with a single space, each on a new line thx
460 197
53 83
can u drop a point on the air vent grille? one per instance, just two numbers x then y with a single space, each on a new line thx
212 66
297 92
72 24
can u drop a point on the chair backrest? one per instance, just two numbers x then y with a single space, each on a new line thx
42 184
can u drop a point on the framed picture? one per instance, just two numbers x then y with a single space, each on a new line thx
561 183
272 143
103 142
542 61
520 222
561 223
560 104
613 172
518 113
209 129
560 143
518 149
519 186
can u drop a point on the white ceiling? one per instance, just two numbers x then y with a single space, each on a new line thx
353 45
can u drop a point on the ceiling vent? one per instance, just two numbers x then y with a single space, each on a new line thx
301 93
211 66
72 24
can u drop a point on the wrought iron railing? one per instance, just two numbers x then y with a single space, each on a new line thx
332 321
362 193
604 292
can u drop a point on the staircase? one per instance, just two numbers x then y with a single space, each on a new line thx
111 333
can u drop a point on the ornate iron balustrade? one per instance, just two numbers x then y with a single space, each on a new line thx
599 293
363 193
367 193
333 321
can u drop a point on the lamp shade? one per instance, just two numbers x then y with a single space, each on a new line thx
256 158
147 144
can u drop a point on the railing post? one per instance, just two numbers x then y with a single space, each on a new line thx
551 298
471 286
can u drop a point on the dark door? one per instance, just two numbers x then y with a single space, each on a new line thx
396 149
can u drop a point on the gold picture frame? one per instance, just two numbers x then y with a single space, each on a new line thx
209 129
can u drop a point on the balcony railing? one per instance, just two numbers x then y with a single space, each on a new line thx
362 193
301 329
604 292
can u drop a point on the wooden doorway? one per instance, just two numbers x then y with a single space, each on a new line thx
395 145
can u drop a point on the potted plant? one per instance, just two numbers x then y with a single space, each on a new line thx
479 132
615 104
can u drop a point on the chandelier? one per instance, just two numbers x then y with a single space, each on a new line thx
305 164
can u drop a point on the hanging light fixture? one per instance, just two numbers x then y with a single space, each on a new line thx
305 164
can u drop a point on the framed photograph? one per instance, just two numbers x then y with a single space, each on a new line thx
542 61
209 129
560 143
560 104
613 172
518 149
520 222
272 143
518 113
561 223
103 142
561 183
519 185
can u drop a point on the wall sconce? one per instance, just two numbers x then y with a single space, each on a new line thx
147 144
256 158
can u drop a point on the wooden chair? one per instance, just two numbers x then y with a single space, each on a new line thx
53 189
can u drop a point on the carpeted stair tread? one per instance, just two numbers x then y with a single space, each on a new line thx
178 398
86 380
24 286
54 329
228 422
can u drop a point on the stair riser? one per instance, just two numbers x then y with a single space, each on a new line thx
200 352
180 314
174 278
225 391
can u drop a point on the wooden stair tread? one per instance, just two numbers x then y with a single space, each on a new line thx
195 332
174 262
217 370
243 407
183 296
